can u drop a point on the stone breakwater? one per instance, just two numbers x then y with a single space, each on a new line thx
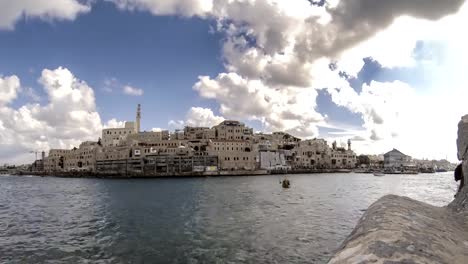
401 230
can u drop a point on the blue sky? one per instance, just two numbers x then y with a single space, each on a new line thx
387 78
163 55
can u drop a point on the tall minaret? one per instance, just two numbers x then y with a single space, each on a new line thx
349 144
138 117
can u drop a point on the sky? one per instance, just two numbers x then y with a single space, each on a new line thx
385 74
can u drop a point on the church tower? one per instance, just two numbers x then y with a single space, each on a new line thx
138 118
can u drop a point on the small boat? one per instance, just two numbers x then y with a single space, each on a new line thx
285 183
379 174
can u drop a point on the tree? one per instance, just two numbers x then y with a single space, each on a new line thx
363 160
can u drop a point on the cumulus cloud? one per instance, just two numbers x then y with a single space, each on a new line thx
12 11
9 87
353 21
197 116
168 7
289 109
277 55
68 118
203 117
114 123
133 91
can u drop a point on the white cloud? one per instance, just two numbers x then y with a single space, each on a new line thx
12 11
197 117
202 117
9 87
68 118
114 123
176 124
168 7
289 109
276 56
132 91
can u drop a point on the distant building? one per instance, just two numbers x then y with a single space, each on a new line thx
56 160
115 136
273 160
312 154
233 130
82 158
396 159
233 154
342 158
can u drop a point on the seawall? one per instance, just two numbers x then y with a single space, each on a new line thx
401 230
136 174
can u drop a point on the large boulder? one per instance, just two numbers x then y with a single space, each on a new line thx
401 230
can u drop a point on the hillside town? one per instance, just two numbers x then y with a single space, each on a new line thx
229 148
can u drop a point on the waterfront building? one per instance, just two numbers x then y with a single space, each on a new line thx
233 154
342 158
82 158
395 159
55 161
228 146
312 154
273 160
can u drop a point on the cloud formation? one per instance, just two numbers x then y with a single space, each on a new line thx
168 7
12 11
9 87
133 91
204 117
197 116
68 118
277 54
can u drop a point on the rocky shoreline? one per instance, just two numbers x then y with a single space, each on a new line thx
401 230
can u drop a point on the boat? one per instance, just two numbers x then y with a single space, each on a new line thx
379 174
343 170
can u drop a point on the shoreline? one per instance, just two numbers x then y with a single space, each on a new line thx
129 175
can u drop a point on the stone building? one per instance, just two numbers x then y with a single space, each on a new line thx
342 158
233 130
82 158
115 136
233 154
312 154
199 133
395 159
55 162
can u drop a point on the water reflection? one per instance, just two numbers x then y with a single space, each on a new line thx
204 220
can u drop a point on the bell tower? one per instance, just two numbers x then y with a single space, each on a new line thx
138 118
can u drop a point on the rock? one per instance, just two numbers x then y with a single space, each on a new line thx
401 230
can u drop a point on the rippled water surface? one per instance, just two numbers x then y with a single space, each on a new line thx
194 220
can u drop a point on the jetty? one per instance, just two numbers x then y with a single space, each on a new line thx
402 230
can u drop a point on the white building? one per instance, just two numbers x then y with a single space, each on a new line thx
272 160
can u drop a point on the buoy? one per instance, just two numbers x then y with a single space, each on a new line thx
286 183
